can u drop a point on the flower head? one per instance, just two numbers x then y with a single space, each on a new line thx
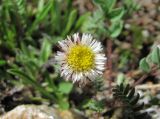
80 58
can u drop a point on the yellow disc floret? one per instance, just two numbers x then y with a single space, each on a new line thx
80 58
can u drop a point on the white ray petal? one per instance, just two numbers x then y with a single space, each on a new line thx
81 76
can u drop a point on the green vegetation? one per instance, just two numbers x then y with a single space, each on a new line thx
30 31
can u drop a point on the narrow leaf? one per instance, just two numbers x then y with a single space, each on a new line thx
46 51
121 87
131 93
126 90
106 5
116 14
81 20
135 99
30 81
115 29
71 21
40 16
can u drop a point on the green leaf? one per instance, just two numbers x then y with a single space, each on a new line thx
137 36
95 24
121 87
71 21
120 78
144 65
116 28
44 12
116 14
46 51
40 5
30 81
2 62
126 90
131 93
63 104
65 87
21 6
40 16
106 5
134 100
56 17
94 105
81 20
25 51
155 55
131 6
110 4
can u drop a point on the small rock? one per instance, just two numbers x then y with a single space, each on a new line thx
40 112
31 112
145 33
127 26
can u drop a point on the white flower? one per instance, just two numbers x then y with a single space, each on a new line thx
80 58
